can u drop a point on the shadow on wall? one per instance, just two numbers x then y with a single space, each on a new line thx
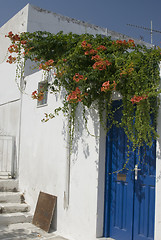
83 131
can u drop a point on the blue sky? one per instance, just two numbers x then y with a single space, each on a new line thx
111 14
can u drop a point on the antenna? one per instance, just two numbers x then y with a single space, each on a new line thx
145 28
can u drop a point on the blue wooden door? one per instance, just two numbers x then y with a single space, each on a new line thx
129 199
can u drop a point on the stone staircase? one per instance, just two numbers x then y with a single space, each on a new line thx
13 208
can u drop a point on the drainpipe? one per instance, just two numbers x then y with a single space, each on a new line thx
19 138
68 164
22 88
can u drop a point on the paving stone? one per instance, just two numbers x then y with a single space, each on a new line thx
26 231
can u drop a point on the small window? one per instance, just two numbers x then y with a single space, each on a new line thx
42 89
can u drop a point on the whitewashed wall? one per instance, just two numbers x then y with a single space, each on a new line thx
158 184
43 147
43 165
158 179
10 96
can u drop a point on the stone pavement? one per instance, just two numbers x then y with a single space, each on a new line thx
26 231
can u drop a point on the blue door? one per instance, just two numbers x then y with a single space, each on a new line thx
130 193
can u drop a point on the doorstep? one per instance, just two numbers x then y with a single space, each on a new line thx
106 238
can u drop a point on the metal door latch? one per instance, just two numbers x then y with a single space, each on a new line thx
136 171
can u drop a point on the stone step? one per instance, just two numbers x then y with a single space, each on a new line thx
12 218
13 207
8 185
11 197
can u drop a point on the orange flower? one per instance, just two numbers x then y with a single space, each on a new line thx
101 47
47 65
13 48
129 43
76 96
86 46
96 58
11 59
106 86
137 99
101 65
23 42
77 77
39 96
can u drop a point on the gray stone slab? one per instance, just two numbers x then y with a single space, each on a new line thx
26 231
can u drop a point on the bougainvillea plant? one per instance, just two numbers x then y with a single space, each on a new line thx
90 68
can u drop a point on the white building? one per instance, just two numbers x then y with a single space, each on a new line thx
41 157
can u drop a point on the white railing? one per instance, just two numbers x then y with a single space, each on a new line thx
7 155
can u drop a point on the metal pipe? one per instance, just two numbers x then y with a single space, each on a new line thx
68 166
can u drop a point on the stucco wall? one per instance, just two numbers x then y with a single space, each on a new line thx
158 179
48 21
43 147
43 164
9 93
158 185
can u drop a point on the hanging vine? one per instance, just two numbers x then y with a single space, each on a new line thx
90 68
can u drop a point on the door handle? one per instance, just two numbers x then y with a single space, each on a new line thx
136 171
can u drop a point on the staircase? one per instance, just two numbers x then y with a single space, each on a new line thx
13 208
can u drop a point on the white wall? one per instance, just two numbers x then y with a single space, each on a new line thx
43 164
158 179
40 19
43 147
158 184
10 103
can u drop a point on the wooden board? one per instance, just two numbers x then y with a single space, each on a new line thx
44 211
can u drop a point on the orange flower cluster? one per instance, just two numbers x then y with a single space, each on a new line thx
47 65
77 77
129 43
101 65
137 99
39 96
106 86
86 46
96 58
13 48
11 59
13 37
76 96
101 47
91 52
23 42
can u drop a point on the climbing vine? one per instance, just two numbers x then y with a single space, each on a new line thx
90 69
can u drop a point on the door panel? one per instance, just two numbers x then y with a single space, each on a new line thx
144 201
129 203
121 208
